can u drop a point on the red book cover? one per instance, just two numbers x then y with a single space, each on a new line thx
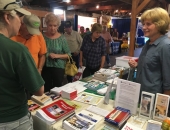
120 117
111 113
58 109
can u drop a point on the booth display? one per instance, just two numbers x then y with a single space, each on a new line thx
122 113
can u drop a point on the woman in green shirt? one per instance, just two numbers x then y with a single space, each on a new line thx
57 53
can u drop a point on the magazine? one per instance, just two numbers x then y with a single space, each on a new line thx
53 112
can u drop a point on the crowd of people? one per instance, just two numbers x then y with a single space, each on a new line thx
34 62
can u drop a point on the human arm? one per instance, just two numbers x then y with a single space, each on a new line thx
28 74
102 61
103 53
165 68
64 50
79 41
81 59
41 63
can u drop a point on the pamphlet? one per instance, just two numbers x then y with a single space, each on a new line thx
127 95
89 98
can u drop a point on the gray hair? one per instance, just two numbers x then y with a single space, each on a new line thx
50 17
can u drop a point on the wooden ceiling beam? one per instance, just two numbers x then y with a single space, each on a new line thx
142 6
80 2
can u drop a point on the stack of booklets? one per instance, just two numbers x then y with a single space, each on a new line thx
135 123
83 120
69 93
95 85
118 116
123 60
78 85
55 111
52 95
42 100
104 74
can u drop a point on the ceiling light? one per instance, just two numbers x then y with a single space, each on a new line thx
97 6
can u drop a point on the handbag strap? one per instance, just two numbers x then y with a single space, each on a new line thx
70 59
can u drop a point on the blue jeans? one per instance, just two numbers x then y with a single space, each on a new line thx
107 58
24 123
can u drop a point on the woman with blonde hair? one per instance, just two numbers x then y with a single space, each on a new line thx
57 53
153 65
93 50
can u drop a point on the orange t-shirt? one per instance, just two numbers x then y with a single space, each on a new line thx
36 45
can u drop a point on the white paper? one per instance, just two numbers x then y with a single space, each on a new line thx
153 125
127 95
98 110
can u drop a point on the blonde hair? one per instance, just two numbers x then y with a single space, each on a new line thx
159 17
96 27
50 17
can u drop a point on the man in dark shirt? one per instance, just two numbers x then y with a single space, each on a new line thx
93 50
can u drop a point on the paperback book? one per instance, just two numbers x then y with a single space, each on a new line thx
75 122
52 95
32 106
42 100
118 116
161 107
55 111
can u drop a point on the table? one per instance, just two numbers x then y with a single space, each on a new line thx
40 125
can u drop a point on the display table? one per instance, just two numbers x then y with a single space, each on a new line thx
41 125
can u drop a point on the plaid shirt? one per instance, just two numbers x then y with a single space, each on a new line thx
93 51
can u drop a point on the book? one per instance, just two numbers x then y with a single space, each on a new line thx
89 98
129 126
98 110
32 106
73 103
90 116
153 125
161 107
42 100
55 111
78 85
69 93
118 116
137 121
106 127
123 61
52 95
146 104
94 84
75 122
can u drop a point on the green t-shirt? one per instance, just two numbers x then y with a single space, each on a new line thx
17 73
57 46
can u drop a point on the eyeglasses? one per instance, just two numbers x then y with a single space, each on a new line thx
18 3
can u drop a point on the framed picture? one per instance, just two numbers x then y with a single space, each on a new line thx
43 22
146 104
161 107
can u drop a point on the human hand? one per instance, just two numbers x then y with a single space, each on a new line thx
132 63
52 55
